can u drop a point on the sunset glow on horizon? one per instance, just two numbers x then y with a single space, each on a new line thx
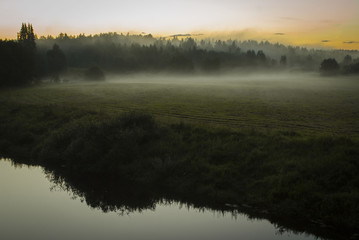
314 23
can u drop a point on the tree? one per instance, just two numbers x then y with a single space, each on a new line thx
211 63
261 57
94 73
12 72
283 61
27 58
351 68
354 68
189 44
26 36
329 66
56 61
181 63
250 57
347 60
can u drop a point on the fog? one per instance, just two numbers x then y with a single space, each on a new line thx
270 80
96 56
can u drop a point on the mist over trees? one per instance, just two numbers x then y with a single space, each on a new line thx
29 59
125 53
132 53
136 51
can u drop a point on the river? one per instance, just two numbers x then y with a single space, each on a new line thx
33 207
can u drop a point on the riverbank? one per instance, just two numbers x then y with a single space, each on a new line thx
283 174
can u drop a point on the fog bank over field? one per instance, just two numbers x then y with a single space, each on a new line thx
262 80
293 101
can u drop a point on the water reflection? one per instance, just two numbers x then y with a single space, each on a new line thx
146 213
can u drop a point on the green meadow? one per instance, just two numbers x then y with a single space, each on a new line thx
307 104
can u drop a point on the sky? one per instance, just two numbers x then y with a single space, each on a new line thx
314 23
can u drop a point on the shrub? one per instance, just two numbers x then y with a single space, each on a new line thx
94 73
329 66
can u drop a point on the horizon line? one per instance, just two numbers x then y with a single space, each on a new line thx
196 34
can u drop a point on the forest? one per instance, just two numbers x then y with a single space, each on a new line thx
31 59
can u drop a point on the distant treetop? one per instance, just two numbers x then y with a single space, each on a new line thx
26 35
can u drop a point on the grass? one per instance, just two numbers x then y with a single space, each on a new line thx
314 106
286 146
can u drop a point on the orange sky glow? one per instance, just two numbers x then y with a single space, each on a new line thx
312 23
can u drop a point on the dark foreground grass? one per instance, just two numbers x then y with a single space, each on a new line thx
282 173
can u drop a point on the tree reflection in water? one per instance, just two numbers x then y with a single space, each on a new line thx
126 198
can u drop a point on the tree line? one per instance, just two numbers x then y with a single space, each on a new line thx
146 53
29 59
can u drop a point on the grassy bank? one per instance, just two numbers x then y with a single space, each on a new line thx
304 173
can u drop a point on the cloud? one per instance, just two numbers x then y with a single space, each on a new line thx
185 35
324 41
279 33
351 42
181 35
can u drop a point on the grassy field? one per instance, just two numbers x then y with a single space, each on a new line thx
293 102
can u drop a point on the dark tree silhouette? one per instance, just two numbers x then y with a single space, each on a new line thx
347 60
181 63
261 57
56 61
189 44
329 66
211 64
26 36
352 68
283 61
250 57
13 70
17 58
94 73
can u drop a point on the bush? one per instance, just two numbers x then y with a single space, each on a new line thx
94 73
329 66
352 68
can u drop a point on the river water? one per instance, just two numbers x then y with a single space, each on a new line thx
32 207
